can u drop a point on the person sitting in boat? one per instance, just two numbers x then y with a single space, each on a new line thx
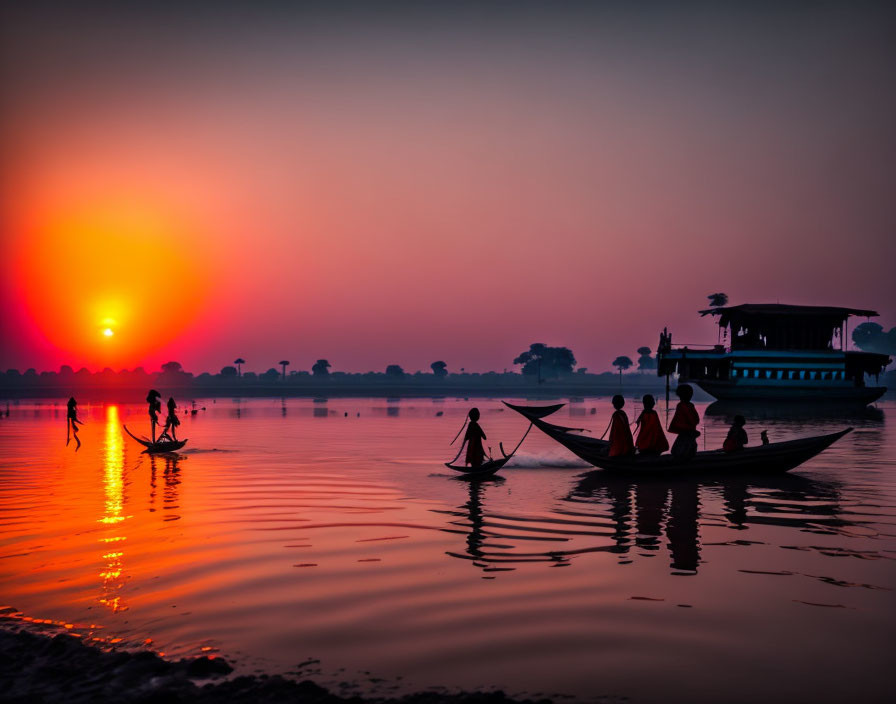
651 438
473 440
684 425
153 398
71 422
621 443
737 436
171 422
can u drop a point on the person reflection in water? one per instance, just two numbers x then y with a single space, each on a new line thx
473 440
684 425
153 398
171 422
737 436
651 438
621 443
71 423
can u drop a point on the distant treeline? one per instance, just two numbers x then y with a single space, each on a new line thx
392 381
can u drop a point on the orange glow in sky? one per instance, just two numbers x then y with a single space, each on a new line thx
109 282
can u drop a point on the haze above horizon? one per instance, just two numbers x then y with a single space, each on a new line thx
419 184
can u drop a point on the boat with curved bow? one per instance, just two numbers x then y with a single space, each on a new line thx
772 458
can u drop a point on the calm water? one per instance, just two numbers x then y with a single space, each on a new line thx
293 538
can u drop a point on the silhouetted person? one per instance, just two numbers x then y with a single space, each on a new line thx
473 440
171 421
153 398
621 443
684 425
72 422
651 438
737 436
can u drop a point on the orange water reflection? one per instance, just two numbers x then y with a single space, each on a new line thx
113 516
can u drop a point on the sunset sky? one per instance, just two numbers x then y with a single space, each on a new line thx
403 185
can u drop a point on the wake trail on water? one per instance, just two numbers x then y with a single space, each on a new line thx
546 459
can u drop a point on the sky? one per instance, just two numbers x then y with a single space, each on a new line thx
408 183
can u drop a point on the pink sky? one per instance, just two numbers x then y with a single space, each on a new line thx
378 192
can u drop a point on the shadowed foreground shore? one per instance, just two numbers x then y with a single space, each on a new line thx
61 668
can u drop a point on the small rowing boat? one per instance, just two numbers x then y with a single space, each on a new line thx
772 458
484 470
155 448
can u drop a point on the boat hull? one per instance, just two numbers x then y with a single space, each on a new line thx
797 393
773 458
484 470
157 448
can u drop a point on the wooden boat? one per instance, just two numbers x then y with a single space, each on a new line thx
155 448
758 459
484 470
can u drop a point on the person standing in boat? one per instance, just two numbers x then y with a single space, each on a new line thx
72 422
651 438
684 425
737 436
171 422
621 443
153 398
473 440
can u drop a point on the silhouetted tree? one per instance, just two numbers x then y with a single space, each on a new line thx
394 370
548 362
228 371
717 300
439 369
871 337
321 368
284 363
645 361
172 368
270 375
622 363
239 362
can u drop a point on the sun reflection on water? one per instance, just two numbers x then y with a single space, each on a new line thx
114 517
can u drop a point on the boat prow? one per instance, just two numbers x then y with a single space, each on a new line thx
156 448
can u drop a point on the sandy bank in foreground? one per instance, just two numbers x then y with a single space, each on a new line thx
38 668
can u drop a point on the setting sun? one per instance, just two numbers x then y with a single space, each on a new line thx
108 267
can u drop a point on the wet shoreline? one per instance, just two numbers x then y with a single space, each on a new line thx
62 668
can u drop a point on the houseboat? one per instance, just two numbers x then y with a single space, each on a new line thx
776 352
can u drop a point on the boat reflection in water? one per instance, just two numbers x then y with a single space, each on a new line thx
638 517
646 510
169 465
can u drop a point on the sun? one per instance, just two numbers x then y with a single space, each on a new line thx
108 332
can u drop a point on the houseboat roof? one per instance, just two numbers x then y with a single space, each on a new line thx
774 310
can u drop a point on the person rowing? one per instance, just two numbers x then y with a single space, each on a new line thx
473 440
153 398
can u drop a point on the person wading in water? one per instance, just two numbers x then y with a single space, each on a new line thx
72 422
473 440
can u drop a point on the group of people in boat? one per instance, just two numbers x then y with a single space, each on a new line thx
651 440
648 439
169 432
153 398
